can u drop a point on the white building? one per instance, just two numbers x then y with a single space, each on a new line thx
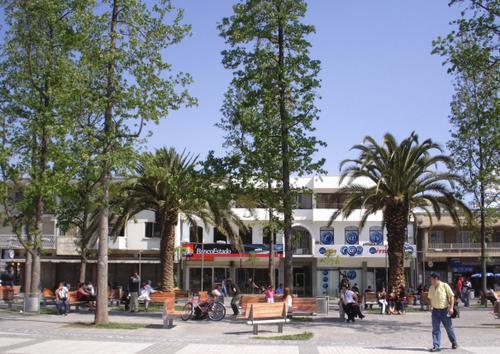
321 252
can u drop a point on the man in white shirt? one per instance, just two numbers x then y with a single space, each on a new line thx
146 292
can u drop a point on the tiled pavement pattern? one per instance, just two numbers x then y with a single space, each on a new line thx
477 331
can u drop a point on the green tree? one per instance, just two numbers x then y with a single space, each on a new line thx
396 178
35 72
471 53
169 184
126 82
273 72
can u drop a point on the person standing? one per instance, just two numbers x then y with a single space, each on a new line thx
442 302
467 292
460 286
269 294
134 284
234 291
62 304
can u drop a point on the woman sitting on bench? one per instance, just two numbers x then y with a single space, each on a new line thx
145 295
84 296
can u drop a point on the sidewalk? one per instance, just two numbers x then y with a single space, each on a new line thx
477 332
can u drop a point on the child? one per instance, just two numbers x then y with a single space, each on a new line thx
269 293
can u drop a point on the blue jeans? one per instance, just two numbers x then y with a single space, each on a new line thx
438 317
62 305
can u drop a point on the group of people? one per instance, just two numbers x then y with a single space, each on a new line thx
85 292
349 303
392 302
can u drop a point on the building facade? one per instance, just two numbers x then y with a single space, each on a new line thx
322 252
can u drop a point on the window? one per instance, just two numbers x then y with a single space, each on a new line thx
326 201
437 236
195 234
326 236
246 237
304 201
219 236
376 235
301 241
464 237
152 229
351 235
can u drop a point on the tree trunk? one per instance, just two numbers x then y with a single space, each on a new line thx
396 223
167 254
35 274
101 314
285 167
83 269
482 220
27 273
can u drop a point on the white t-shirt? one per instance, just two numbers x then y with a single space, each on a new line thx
63 292
349 297
146 292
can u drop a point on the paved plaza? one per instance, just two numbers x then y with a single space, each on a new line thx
477 330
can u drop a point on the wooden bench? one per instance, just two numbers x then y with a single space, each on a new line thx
257 299
159 297
181 294
424 301
304 306
73 301
257 314
168 312
48 296
114 296
370 298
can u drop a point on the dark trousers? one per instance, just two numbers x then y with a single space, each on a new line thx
438 317
62 305
234 304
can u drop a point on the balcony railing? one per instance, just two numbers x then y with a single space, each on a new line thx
462 246
10 241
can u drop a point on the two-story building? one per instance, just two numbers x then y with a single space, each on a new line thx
453 251
322 252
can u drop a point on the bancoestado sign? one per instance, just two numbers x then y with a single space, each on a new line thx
194 250
358 250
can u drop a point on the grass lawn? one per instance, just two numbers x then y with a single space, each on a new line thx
110 325
298 336
302 319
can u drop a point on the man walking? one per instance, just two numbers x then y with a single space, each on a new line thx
442 302
234 291
134 283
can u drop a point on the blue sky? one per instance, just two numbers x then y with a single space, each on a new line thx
377 73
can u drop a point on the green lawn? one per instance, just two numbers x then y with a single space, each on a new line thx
298 336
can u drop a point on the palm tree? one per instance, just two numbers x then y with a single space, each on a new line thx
169 184
402 178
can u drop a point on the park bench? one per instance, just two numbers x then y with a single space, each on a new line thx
256 299
370 298
48 296
181 294
168 311
159 297
260 314
304 306
424 301
114 296
73 301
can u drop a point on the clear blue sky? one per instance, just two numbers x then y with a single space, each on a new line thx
377 73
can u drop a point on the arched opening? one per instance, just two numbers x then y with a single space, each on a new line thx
195 234
301 240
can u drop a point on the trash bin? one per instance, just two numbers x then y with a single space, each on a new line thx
322 304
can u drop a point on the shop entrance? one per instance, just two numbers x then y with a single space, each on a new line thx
302 281
211 276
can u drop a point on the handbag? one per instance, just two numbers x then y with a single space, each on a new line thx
456 313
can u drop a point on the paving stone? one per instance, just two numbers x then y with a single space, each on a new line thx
80 347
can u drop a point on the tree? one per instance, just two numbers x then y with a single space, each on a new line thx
169 184
396 178
126 82
35 72
272 71
471 53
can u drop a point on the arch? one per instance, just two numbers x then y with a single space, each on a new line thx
301 240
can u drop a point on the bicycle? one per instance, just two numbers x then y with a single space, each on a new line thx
214 310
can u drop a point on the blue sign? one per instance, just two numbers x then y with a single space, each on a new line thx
372 250
325 272
359 250
326 237
322 250
352 250
376 237
343 250
352 237
351 274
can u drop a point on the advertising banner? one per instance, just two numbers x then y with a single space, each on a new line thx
195 250
371 250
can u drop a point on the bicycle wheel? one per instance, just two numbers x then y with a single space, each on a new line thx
187 311
216 311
